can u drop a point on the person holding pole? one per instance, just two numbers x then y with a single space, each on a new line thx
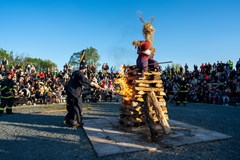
77 80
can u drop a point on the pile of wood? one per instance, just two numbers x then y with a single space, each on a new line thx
146 101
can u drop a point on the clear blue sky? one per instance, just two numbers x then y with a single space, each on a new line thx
187 31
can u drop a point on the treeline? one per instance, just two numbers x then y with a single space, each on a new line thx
15 59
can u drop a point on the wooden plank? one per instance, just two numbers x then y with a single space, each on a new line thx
132 119
162 93
161 99
148 89
141 92
136 108
166 116
135 103
151 73
140 96
147 78
131 67
132 78
159 85
152 85
140 99
164 108
160 113
147 81
143 85
131 114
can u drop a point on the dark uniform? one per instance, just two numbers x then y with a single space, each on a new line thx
74 96
7 94
183 92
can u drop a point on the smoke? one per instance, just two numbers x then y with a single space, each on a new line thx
122 55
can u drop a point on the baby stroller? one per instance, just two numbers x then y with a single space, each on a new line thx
23 97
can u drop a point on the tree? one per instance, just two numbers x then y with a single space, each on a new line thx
91 55
18 59
176 67
8 56
39 63
3 53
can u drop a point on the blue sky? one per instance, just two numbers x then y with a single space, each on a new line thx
187 31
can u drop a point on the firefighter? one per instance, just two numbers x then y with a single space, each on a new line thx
77 80
8 87
183 92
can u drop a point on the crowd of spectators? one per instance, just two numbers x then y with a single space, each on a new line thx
217 83
43 86
36 86
105 79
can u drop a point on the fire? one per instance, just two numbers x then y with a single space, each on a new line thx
125 90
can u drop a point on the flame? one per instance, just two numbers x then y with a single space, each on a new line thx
125 89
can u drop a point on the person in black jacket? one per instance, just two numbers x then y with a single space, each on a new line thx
8 87
183 92
77 80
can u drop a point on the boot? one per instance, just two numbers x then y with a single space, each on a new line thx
9 110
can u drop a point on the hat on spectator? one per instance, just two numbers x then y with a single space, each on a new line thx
9 72
83 64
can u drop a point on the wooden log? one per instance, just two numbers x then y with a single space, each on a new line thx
160 113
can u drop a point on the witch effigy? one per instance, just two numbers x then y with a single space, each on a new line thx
145 49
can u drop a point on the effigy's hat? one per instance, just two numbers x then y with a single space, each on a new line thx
83 63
